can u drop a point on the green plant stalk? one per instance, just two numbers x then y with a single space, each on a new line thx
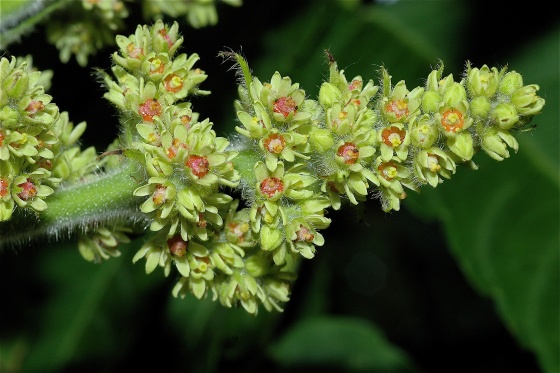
26 16
105 199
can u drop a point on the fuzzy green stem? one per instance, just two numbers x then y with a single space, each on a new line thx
245 164
106 199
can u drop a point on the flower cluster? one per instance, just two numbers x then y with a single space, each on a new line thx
359 140
399 138
286 210
292 159
186 167
198 13
37 143
85 27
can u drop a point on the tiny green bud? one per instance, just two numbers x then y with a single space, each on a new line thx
526 100
462 145
270 237
510 83
257 265
495 142
424 132
430 101
454 93
17 84
480 106
482 82
505 115
321 139
328 94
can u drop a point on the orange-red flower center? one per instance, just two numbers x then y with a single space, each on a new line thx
177 246
397 107
134 51
452 120
156 66
388 170
165 36
159 194
349 152
199 165
271 185
275 143
285 106
34 107
304 234
3 187
28 190
393 136
355 84
1 138
149 109
239 230
173 83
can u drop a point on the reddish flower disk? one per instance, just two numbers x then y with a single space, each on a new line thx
134 51
3 187
304 234
173 83
388 170
397 107
271 185
275 143
159 194
34 107
163 33
177 246
285 106
349 152
452 120
199 165
28 190
1 138
149 109
393 136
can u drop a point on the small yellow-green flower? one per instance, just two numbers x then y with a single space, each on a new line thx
101 244
431 165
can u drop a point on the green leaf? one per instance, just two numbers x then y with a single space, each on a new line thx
88 307
346 343
502 221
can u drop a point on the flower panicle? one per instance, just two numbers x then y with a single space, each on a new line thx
38 144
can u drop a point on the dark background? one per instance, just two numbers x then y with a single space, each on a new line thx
394 270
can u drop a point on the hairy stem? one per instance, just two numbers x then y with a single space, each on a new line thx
102 200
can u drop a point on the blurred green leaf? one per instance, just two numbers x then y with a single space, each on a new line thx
339 343
362 40
88 307
502 221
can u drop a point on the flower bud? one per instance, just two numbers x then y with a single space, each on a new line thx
511 82
270 237
455 93
424 132
480 106
321 139
430 101
462 145
495 143
483 82
505 115
328 94
16 84
526 100
257 265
